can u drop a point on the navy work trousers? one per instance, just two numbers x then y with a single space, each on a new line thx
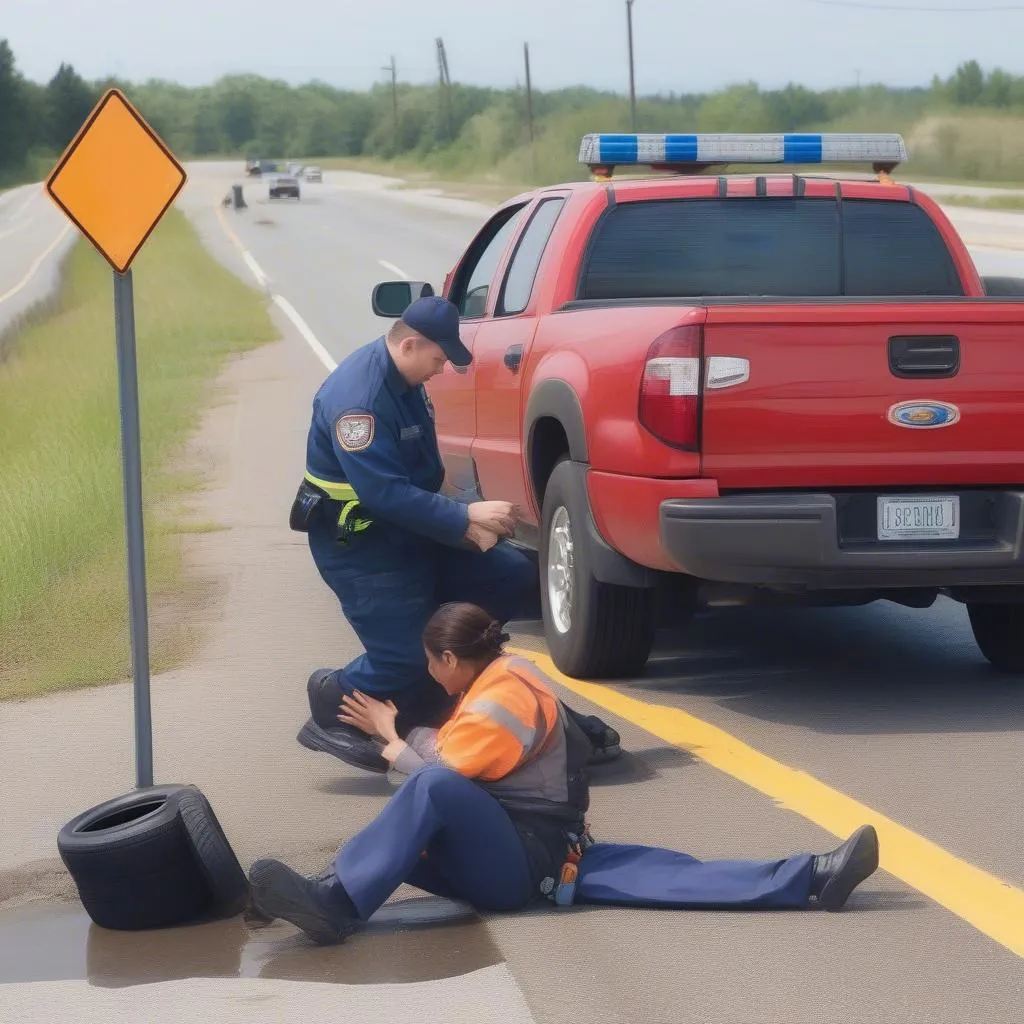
389 585
473 853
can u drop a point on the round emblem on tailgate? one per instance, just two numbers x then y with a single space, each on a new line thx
923 415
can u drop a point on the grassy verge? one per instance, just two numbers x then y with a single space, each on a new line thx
1011 202
63 600
494 187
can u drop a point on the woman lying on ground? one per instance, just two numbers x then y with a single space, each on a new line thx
492 813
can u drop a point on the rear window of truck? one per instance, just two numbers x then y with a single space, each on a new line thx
680 248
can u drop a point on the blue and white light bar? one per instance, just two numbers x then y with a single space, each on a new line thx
779 148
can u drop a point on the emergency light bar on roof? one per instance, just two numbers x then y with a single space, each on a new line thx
694 153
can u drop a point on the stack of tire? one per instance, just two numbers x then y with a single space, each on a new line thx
153 858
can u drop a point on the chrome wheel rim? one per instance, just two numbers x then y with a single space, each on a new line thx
561 574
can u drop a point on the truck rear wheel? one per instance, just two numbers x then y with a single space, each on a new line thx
593 629
999 632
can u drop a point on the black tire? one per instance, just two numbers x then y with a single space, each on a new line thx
136 865
224 876
610 629
999 632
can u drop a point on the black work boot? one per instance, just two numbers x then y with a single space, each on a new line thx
323 732
838 873
604 740
319 906
324 696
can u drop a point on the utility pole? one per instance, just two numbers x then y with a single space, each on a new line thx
445 85
529 109
394 97
632 80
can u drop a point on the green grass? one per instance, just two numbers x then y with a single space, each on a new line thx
984 202
489 161
63 601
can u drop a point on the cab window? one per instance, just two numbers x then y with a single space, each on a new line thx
475 276
522 271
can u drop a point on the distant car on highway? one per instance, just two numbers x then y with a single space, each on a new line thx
257 168
284 185
709 389
313 174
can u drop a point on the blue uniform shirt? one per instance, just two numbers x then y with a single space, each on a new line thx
370 429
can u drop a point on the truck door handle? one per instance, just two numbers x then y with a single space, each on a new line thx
924 356
513 357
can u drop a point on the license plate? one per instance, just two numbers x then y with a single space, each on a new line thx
918 518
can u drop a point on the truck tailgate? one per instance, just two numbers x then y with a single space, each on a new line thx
821 406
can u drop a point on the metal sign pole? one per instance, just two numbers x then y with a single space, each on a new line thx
131 463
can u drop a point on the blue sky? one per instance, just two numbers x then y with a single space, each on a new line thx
681 45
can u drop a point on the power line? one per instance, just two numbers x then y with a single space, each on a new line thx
916 10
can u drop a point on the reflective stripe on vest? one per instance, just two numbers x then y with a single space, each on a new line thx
530 737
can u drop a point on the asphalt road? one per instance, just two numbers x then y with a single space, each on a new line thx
891 708
34 238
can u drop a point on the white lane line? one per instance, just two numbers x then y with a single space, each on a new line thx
279 300
35 265
392 269
33 196
303 328
18 225
248 258
18 220
19 191
257 271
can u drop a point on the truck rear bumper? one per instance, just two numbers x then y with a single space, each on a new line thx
825 541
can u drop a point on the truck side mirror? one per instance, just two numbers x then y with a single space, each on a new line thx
390 298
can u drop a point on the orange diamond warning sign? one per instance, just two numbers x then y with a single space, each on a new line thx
116 180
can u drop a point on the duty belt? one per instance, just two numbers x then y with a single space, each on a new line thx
337 501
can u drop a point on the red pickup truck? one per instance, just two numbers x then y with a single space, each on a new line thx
715 389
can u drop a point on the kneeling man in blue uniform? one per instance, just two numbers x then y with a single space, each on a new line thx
391 544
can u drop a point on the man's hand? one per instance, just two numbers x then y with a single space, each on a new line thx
498 516
481 537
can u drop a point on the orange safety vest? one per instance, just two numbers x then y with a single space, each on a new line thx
503 720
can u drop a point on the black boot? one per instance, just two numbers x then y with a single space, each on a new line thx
319 906
323 731
324 695
604 740
838 873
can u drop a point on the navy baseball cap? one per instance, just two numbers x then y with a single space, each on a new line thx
438 319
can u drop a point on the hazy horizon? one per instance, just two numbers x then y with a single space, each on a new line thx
679 46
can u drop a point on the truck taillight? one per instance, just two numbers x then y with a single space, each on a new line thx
670 389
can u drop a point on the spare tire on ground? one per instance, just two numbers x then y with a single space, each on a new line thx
153 858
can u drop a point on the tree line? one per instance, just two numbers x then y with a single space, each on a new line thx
462 129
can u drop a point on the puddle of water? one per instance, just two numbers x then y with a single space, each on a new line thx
413 940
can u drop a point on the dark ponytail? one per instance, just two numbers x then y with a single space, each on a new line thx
467 631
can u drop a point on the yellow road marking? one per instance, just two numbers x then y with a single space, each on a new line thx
228 230
991 905
35 265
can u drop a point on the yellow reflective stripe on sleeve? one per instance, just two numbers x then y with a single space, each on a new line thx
337 491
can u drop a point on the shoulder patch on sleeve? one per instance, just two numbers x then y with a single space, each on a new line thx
355 431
